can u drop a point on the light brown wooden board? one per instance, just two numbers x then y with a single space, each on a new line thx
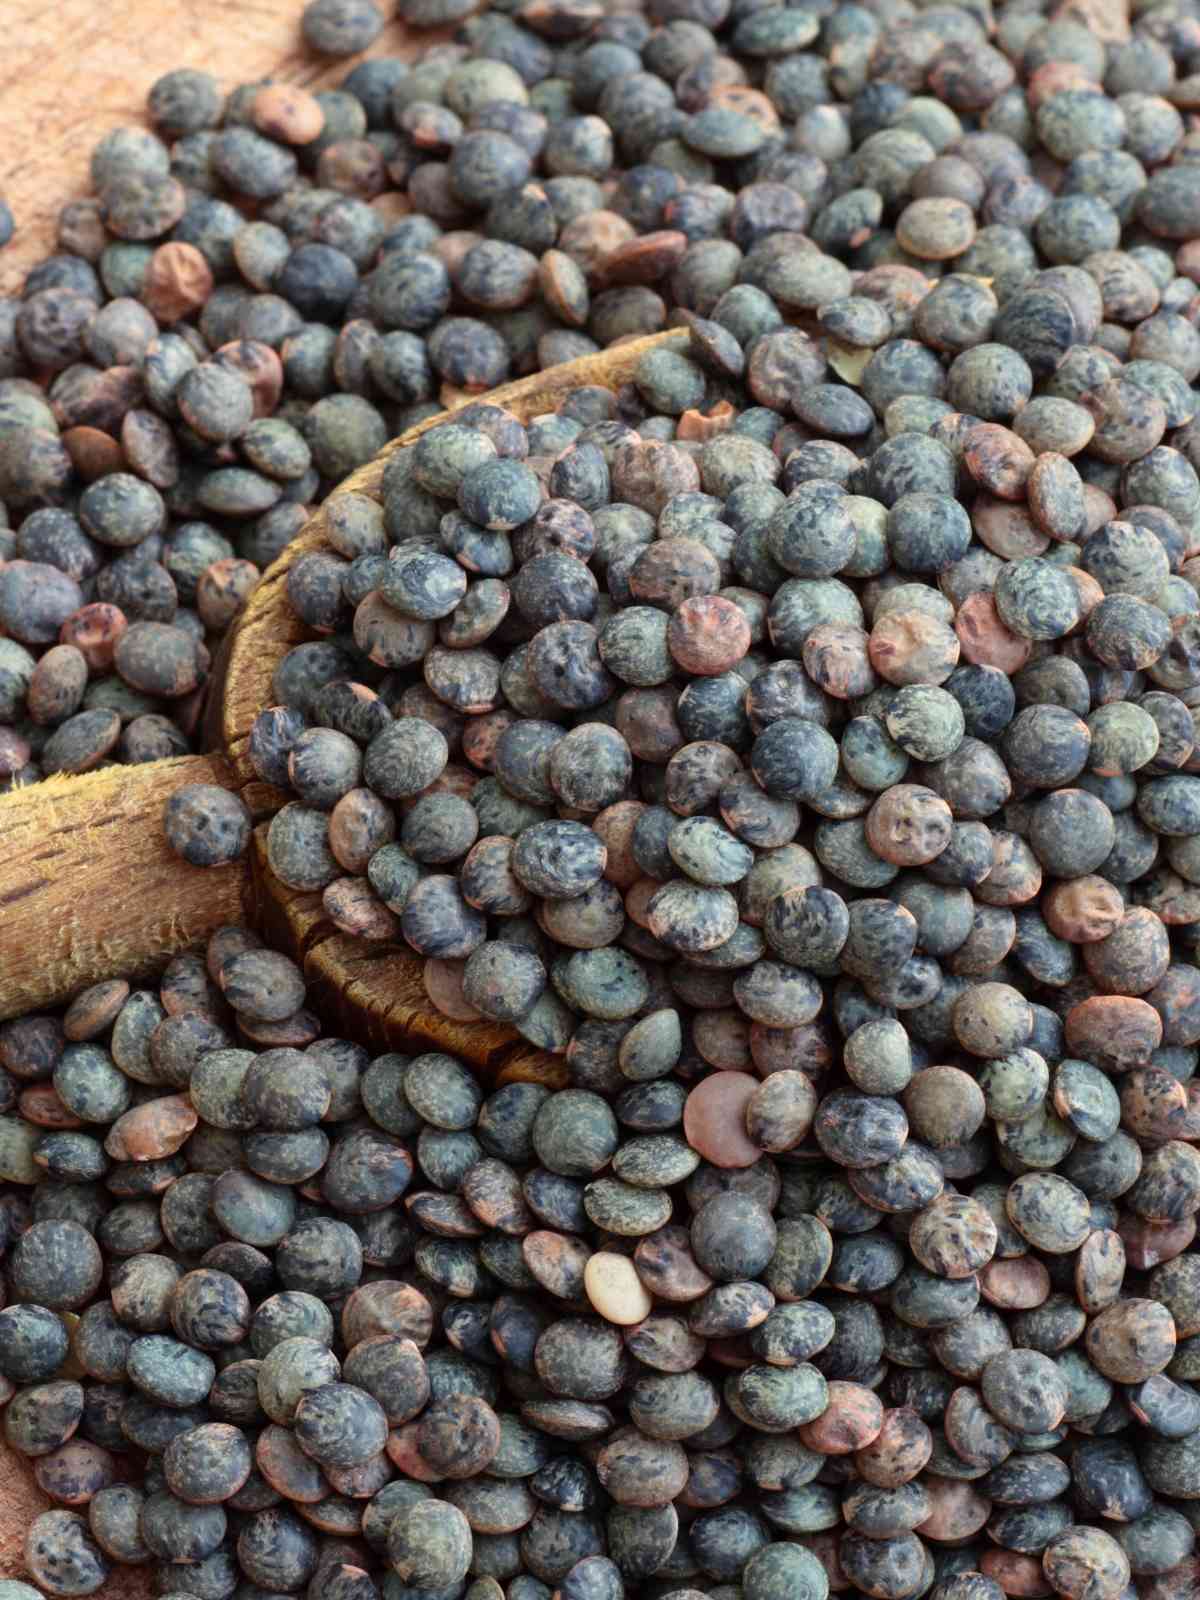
70 70
20 1502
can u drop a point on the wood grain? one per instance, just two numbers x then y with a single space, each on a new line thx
73 70
21 1501
68 73
89 888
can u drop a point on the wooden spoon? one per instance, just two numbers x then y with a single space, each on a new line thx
89 890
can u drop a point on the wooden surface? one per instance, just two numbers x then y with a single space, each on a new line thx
68 73
72 70
20 1502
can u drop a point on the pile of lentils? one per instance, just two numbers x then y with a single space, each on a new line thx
862 732
269 283
286 1319
265 287
838 671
